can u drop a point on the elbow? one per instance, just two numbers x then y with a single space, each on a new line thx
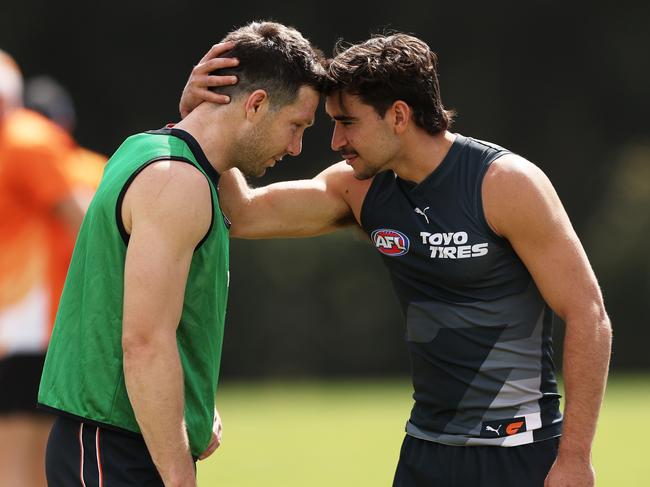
242 223
236 222
244 214
138 348
141 343
134 347
237 210
591 316
605 329
237 230
604 325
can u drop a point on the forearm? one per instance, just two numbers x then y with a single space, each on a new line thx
587 347
154 382
301 208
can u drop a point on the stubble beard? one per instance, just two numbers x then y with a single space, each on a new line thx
366 172
250 152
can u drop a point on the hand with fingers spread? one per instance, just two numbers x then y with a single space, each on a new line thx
197 89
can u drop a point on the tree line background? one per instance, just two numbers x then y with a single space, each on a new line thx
564 85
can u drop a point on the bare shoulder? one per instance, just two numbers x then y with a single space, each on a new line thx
173 192
512 168
178 173
340 179
517 192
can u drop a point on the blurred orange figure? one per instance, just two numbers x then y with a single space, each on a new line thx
45 182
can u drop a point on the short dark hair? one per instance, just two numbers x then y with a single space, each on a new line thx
387 68
275 58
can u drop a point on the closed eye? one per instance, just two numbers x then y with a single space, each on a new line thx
345 122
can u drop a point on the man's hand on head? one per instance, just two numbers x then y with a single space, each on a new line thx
197 89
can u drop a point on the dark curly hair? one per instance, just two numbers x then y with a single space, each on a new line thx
275 58
387 68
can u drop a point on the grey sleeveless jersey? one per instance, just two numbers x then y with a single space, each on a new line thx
477 329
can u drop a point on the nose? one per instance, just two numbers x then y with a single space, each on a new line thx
338 138
295 147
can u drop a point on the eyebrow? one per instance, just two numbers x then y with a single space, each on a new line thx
343 118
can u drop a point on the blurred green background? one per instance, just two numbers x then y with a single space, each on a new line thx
314 335
564 85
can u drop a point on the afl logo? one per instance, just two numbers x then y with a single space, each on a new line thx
390 242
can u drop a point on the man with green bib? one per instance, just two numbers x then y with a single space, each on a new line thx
132 366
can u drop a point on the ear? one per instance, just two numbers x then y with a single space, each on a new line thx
256 104
401 116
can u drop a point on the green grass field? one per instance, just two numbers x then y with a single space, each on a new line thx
317 434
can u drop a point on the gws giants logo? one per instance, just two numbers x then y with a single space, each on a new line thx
390 242
503 427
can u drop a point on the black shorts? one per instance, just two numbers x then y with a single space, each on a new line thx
427 464
20 376
87 455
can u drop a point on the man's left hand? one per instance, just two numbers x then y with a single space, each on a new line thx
215 441
571 472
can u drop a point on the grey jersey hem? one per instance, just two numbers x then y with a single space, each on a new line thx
532 436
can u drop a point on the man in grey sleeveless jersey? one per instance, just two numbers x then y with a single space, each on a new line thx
480 250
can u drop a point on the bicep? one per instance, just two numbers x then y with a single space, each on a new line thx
525 209
561 270
155 273
170 213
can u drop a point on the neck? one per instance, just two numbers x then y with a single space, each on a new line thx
422 154
207 124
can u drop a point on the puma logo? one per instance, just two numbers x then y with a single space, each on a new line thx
422 212
494 428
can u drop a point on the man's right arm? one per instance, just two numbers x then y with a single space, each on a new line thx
166 210
300 208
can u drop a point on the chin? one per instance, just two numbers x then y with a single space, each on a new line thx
253 171
260 171
257 173
363 174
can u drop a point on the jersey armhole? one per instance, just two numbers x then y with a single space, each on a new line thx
368 199
120 199
478 194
